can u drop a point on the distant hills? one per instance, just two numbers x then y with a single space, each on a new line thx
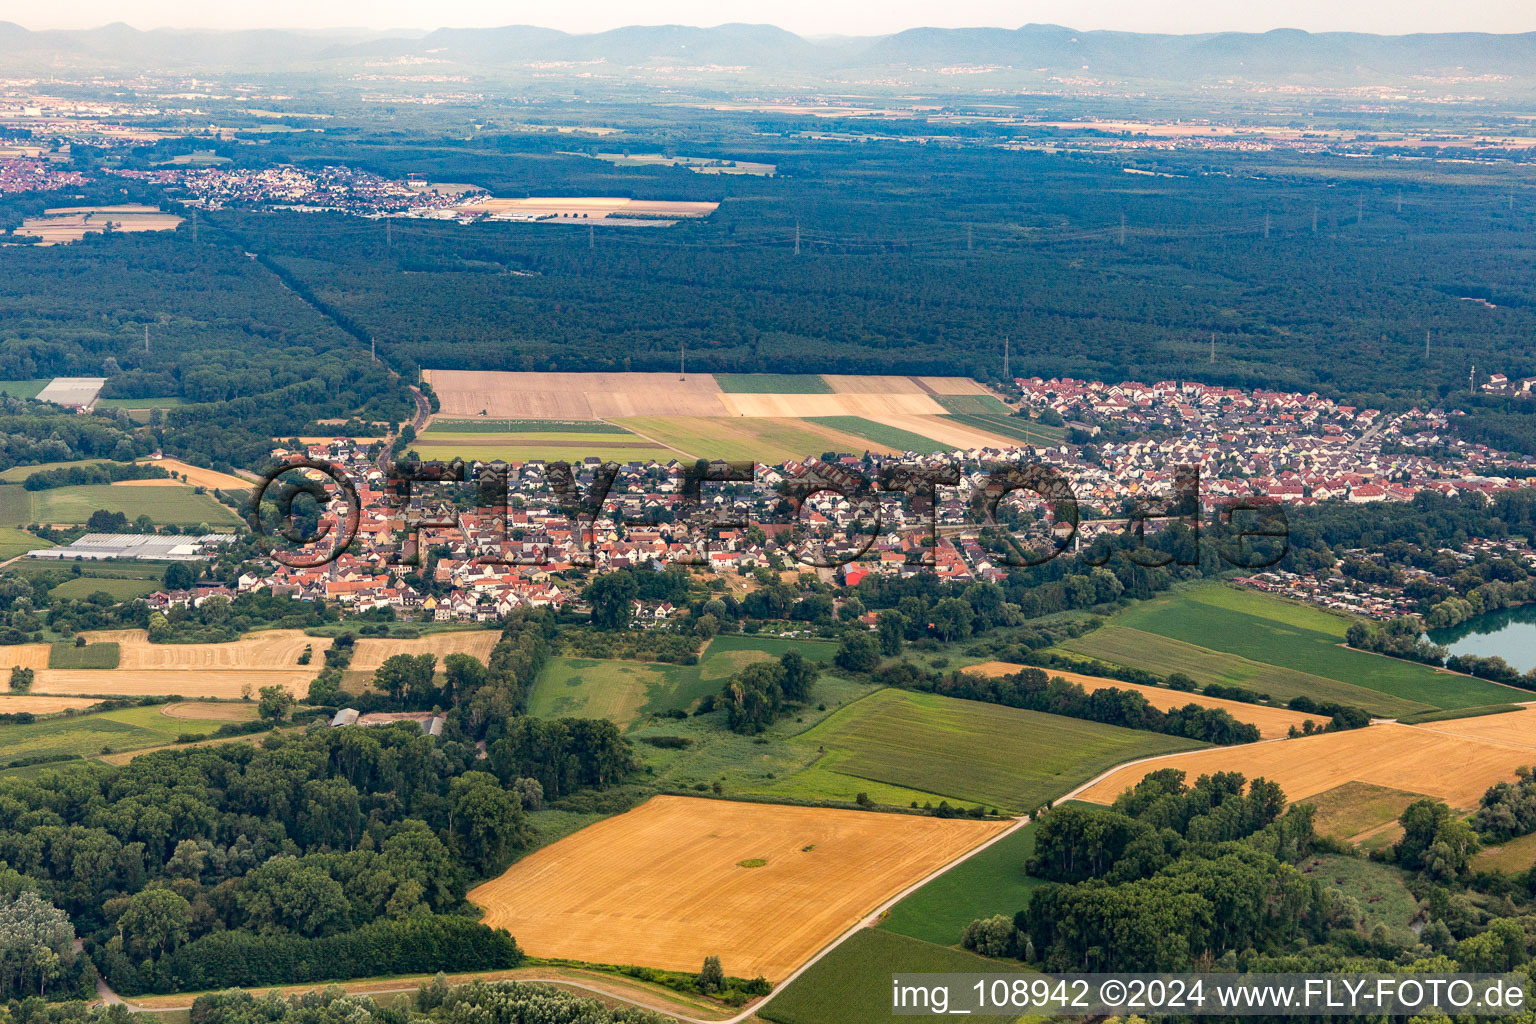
960 59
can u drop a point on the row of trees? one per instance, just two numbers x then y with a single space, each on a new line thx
1036 690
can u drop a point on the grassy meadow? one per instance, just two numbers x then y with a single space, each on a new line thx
772 384
990 882
89 735
852 984
963 750
1266 630
892 437
178 505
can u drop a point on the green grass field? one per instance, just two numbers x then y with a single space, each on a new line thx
620 691
14 542
1356 807
973 405
1133 648
117 569
991 882
99 655
163 402
1015 427
1379 889
627 692
741 437
18 474
120 589
23 388
165 505
89 735
1276 632
514 427
819 651
852 984
965 751
772 384
1513 857
891 437
552 452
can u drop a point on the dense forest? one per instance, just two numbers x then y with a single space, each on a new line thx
1310 273
922 258
1217 874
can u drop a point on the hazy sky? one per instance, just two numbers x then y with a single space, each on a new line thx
809 17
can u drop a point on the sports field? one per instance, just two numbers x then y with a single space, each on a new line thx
1411 758
663 885
179 505
1272 723
1271 631
962 750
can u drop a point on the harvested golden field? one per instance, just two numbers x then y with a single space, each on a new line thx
267 649
11 704
33 656
198 477
879 407
72 223
663 885
1513 728
222 671
573 396
221 684
147 483
584 207
871 384
369 654
1455 769
1357 810
1272 722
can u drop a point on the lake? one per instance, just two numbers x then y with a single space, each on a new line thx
1510 634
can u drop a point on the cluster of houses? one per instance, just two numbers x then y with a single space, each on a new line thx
426 560
333 188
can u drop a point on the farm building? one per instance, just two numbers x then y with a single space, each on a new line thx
72 392
142 547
